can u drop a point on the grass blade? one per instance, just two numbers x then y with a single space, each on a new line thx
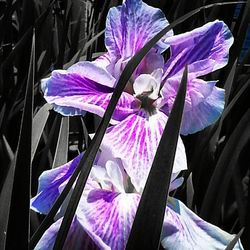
229 82
61 154
235 240
18 218
27 35
76 57
8 149
147 226
222 174
237 46
5 197
228 87
239 193
39 122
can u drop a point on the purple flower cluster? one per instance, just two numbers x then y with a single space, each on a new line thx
108 204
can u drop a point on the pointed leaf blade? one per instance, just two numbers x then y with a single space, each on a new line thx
147 226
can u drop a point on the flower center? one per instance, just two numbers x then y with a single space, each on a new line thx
146 88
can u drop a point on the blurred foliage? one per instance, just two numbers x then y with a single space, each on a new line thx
39 36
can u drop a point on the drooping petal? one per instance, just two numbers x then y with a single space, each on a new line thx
135 141
107 217
204 50
183 229
50 182
204 103
70 90
77 238
130 26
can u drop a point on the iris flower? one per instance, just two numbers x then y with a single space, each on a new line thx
145 104
107 208
108 204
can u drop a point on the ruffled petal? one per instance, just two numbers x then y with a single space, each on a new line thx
50 182
130 26
71 93
204 50
135 142
183 229
108 217
204 103
77 238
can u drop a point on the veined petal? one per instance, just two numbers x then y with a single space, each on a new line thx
135 141
107 217
50 182
104 61
204 50
130 26
204 103
183 229
151 62
94 72
77 238
71 91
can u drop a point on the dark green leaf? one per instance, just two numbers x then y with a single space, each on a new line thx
228 87
240 37
19 201
39 122
61 154
147 226
8 149
239 194
190 191
50 142
229 82
222 174
5 198
27 35
235 239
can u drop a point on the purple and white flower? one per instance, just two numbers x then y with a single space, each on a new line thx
107 208
145 104
108 204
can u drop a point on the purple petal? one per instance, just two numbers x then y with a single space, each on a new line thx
130 26
183 229
151 62
77 238
95 71
50 182
135 141
203 105
204 50
70 91
108 217
104 61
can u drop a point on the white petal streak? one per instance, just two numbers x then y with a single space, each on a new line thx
135 141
